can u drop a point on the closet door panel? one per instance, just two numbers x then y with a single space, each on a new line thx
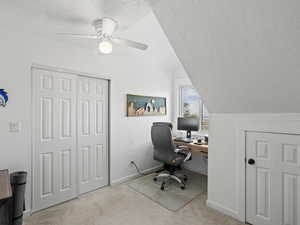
54 137
92 133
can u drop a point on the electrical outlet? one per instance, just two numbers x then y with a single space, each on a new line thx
14 126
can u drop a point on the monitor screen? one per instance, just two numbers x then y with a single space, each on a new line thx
188 123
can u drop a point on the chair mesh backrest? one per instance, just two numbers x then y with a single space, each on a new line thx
161 136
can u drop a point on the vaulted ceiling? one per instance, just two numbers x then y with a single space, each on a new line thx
243 56
83 12
135 18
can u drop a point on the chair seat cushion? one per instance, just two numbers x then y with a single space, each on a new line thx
169 158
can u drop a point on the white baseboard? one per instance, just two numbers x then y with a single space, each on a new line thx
26 213
224 210
133 176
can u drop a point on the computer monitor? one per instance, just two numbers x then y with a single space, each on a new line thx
188 124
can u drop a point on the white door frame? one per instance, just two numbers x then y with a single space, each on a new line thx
274 125
32 122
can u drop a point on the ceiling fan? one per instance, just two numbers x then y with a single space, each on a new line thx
104 28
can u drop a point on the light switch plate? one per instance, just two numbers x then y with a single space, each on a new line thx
14 126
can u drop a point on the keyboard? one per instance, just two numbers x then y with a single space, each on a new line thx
184 140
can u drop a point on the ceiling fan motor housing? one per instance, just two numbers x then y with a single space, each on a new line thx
105 26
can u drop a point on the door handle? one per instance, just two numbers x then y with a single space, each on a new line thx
251 161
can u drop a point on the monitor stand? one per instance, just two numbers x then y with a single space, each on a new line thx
188 134
186 139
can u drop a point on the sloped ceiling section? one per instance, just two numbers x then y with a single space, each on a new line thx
83 13
243 56
136 21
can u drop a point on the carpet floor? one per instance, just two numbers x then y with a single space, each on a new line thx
120 204
173 198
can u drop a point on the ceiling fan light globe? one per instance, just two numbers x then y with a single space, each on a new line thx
105 47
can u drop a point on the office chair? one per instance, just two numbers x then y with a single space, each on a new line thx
166 152
171 127
164 123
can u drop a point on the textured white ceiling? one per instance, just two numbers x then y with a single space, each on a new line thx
49 17
243 56
46 18
83 12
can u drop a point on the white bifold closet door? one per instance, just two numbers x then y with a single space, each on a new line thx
70 128
54 121
273 179
92 133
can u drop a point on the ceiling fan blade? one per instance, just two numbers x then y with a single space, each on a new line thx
133 44
86 36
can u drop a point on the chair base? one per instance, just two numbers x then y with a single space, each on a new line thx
169 168
165 176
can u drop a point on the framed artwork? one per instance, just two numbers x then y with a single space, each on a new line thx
138 105
3 97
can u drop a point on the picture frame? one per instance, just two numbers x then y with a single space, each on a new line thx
140 105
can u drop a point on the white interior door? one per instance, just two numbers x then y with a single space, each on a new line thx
272 179
54 143
92 133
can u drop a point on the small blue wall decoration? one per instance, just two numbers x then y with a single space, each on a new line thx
3 97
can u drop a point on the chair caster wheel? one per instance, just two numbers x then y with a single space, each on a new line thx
155 179
182 187
163 186
185 178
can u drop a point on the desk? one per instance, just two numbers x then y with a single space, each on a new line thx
196 149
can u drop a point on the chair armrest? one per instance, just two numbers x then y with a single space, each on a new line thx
186 150
189 155
182 148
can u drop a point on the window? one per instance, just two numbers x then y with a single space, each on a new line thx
191 105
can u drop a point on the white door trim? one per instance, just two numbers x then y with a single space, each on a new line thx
32 121
70 71
284 126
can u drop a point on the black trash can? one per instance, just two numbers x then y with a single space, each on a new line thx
18 184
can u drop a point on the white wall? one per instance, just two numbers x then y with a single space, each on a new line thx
130 71
243 57
226 171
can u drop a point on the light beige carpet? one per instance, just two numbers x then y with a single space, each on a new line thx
173 198
121 205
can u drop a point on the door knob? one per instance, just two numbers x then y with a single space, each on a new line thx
251 161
